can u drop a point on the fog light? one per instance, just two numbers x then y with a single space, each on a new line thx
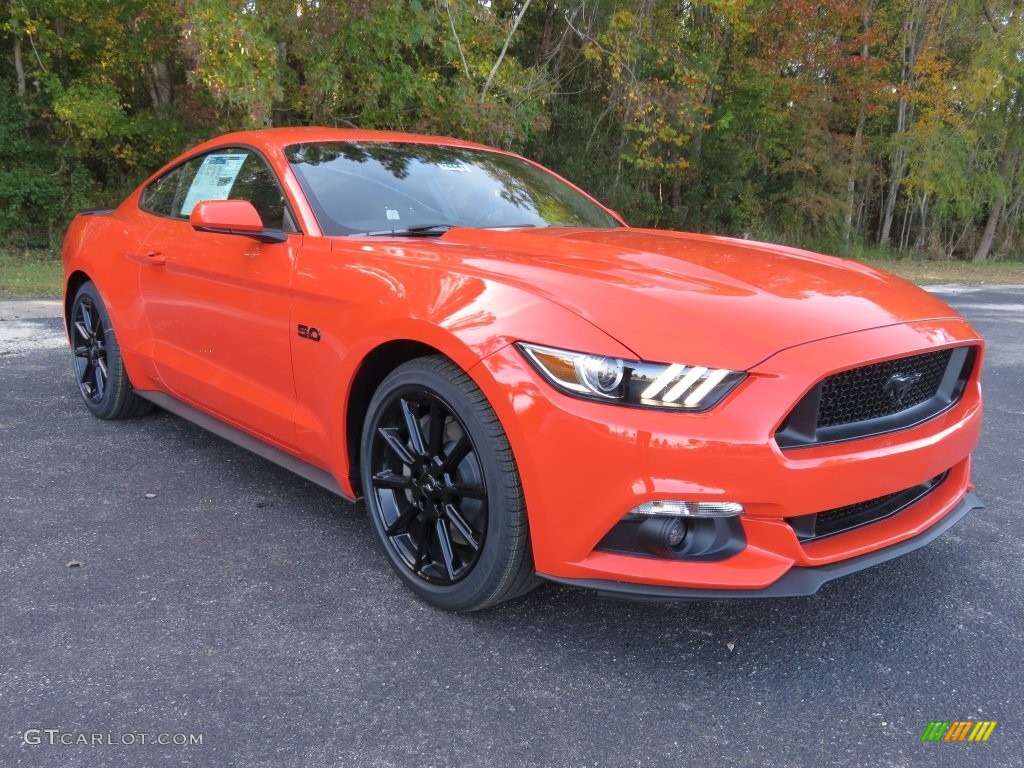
663 536
676 533
676 508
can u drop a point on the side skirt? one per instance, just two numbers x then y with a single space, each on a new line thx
245 440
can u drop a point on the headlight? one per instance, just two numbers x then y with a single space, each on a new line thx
632 382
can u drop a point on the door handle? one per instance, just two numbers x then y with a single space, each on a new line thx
153 258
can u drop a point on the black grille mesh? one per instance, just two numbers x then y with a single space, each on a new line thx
865 393
839 519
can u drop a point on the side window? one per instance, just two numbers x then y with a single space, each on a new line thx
256 184
226 174
160 196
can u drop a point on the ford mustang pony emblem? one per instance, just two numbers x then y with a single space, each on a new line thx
900 384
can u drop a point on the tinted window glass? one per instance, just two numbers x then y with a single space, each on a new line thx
256 184
226 174
373 187
163 196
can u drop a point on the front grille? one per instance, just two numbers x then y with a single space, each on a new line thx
843 519
878 398
865 393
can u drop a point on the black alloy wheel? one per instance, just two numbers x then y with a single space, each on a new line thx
442 488
99 370
89 342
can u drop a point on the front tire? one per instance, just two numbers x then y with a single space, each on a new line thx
442 489
99 370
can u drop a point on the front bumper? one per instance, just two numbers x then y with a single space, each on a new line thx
584 465
797 582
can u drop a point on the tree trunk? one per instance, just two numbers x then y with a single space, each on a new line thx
851 182
547 38
922 234
996 211
504 50
914 32
19 65
899 165
858 140
161 92
162 76
278 112
989 234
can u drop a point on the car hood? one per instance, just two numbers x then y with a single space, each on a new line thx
695 299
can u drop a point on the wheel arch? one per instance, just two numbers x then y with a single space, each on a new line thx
75 280
372 370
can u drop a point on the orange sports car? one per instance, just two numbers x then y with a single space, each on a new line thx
520 385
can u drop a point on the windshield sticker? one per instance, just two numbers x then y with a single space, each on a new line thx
454 167
214 179
393 214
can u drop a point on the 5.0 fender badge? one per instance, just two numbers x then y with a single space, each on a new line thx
306 332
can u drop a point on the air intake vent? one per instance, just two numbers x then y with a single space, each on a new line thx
843 519
879 398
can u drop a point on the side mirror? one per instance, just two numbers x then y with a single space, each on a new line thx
232 217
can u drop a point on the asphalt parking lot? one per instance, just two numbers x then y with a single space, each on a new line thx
158 581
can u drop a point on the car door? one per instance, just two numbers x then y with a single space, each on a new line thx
218 305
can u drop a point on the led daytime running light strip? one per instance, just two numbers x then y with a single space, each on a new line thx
711 379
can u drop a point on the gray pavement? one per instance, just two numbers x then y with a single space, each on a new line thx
159 583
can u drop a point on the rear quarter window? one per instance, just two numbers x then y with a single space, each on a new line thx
164 196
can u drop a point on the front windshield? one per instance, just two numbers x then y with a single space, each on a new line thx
376 187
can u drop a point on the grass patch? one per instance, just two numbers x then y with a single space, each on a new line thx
29 273
926 272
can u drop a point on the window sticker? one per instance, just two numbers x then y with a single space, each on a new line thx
214 179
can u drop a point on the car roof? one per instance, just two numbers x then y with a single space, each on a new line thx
266 138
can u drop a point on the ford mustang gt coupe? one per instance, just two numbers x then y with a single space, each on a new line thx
520 385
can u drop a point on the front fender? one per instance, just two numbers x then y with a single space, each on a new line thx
360 307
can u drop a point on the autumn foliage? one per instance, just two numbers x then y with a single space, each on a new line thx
834 125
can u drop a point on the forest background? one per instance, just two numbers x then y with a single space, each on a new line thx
848 126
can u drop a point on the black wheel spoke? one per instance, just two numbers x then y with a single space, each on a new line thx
85 310
401 523
422 550
412 425
394 442
435 440
84 332
388 479
458 452
445 541
467 490
462 527
100 382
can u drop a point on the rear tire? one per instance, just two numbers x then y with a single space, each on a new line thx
442 489
99 370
